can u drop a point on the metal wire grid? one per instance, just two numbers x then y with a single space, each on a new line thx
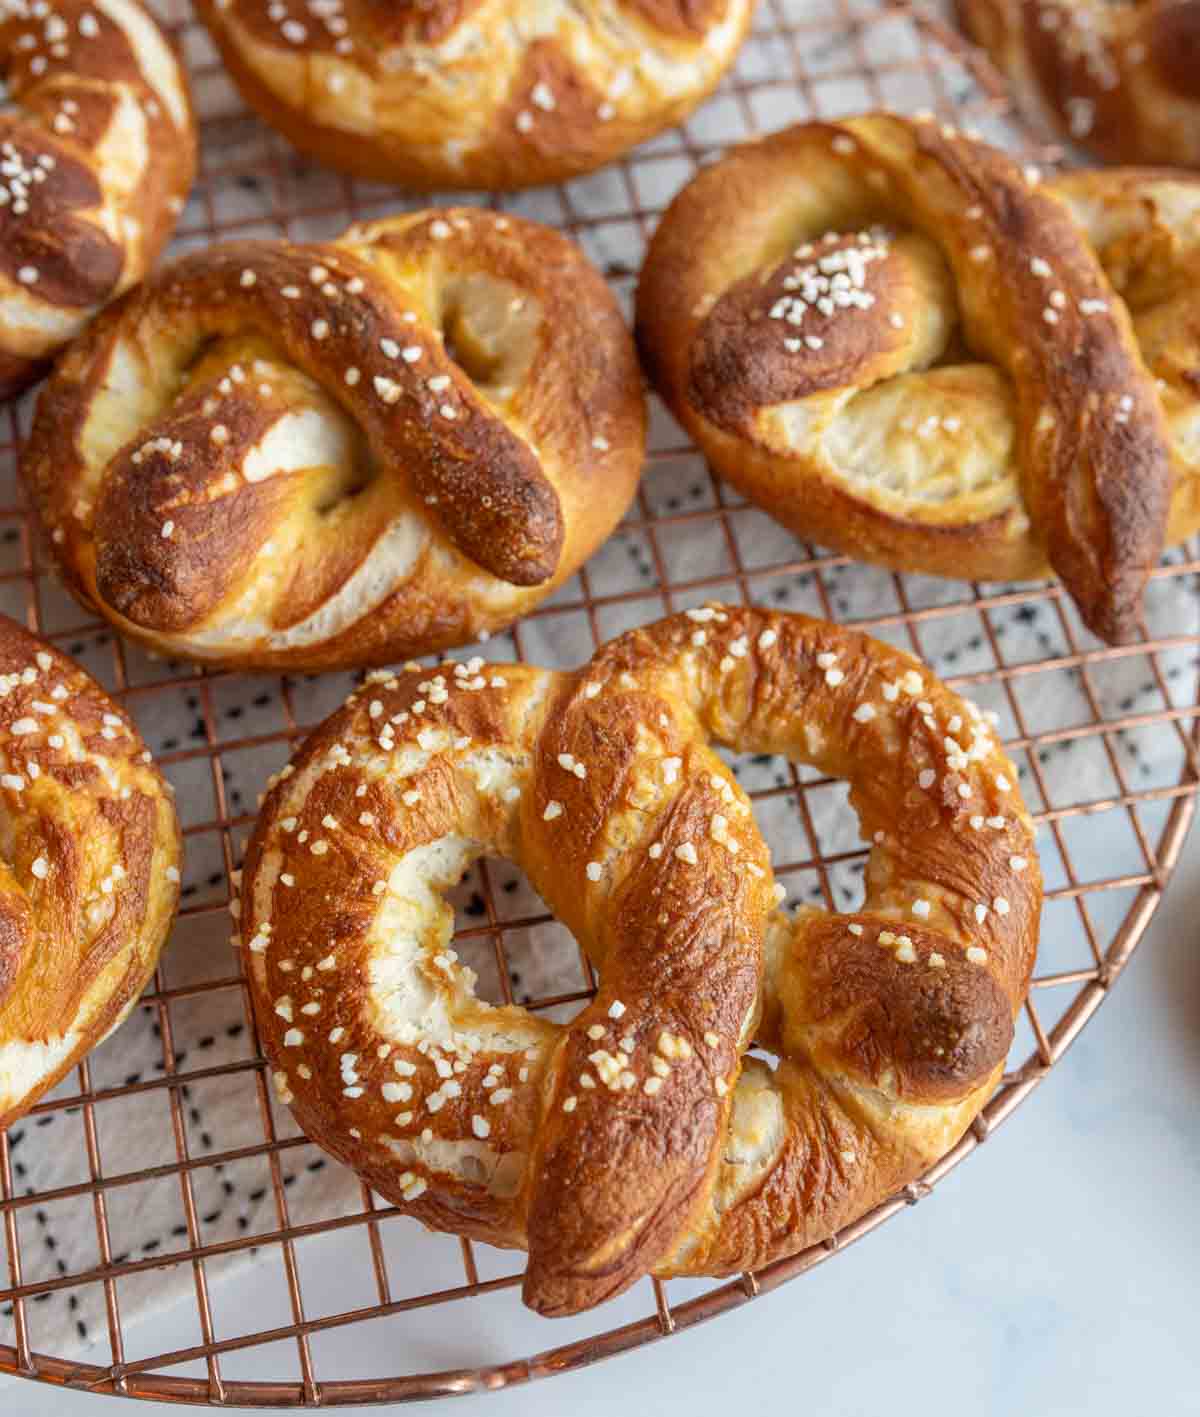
812 49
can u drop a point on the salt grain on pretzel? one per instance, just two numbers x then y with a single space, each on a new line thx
900 345
89 878
97 152
347 453
638 1138
454 93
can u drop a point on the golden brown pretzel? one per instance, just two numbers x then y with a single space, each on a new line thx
1120 77
89 878
638 1138
97 153
458 93
903 346
338 454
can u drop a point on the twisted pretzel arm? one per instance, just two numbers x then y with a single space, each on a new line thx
1095 468
674 924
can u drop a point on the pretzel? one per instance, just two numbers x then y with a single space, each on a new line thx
338 454
903 346
638 1138
454 93
97 152
1119 77
90 876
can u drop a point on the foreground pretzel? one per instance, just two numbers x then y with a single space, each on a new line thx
90 876
339 454
902 346
456 93
97 154
1120 77
638 1138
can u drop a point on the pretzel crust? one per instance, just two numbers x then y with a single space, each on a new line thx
446 404
1053 449
89 880
99 153
637 1138
1117 78
461 94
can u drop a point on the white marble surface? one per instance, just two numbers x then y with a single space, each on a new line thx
1054 1274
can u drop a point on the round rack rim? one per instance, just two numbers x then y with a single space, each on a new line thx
848 21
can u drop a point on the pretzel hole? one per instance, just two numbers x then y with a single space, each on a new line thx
348 480
489 328
536 951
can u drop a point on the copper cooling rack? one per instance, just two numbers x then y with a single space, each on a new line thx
805 57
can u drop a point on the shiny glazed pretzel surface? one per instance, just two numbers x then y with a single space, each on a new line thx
89 866
639 1138
97 152
475 93
903 345
337 454
1120 77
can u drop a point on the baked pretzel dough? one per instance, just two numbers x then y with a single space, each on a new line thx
97 153
89 871
902 345
339 454
474 93
1120 77
639 1138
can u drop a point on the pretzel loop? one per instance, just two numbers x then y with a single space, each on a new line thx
634 1139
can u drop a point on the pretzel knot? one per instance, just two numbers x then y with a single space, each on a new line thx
904 346
313 456
97 152
89 876
457 93
1117 76
638 1137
